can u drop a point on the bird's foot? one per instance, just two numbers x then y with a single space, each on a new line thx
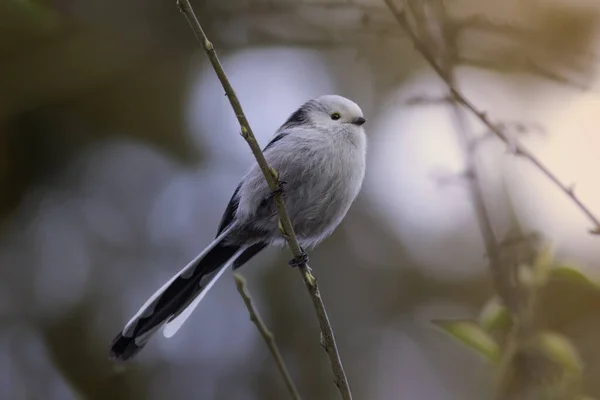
299 261
280 190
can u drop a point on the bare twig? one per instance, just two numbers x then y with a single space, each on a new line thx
430 20
522 259
267 336
275 186
517 148
438 44
443 44
465 137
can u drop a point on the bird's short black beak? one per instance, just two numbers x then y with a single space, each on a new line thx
359 121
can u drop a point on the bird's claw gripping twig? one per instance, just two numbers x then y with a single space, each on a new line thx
280 190
299 261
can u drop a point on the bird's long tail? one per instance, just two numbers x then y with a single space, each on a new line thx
172 304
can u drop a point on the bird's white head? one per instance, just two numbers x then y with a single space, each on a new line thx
330 112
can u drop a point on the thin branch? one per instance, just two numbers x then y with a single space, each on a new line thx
432 30
465 138
267 336
521 257
439 43
328 338
517 148
444 44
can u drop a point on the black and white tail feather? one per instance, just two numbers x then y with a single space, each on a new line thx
172 304
320 153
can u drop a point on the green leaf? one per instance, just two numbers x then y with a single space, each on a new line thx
575 275
494 315
472 335
560 350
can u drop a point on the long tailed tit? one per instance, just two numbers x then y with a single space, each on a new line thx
319 154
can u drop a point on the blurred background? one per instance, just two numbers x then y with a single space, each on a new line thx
119 152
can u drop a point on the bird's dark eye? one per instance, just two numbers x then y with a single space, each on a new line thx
335 116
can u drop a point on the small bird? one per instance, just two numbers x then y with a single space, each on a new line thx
319 154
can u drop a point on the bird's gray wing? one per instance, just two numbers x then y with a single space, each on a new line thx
229 213
275 139
232 206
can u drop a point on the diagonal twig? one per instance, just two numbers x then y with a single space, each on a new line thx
267 335
505 259
513 144
434 33
328 338
441 43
